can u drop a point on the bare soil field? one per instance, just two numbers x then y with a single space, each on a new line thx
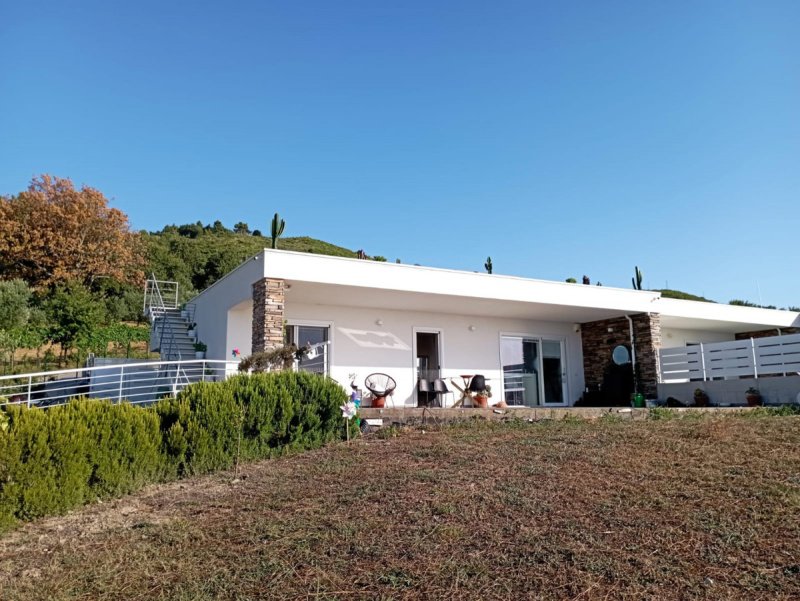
692 508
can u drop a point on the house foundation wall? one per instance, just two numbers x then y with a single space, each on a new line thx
731 393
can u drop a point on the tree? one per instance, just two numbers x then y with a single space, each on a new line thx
15 297
241 228
277 229
73 313
53 233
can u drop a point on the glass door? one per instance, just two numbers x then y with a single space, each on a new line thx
534 372
520 358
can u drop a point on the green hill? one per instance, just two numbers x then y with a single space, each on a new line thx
667 293
196 256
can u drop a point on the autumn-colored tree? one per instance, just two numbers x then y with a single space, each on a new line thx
53 232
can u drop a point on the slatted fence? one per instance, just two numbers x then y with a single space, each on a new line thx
751 357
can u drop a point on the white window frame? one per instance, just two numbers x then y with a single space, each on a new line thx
424 330
315 323
539 338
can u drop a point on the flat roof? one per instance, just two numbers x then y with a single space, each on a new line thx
326 279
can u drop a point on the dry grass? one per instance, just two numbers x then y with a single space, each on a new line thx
692 508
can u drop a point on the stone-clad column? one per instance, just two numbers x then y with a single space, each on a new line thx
600 337
268 302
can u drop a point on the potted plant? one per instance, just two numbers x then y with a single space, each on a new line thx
753 397
700 398
184 313
200 349
192 331
481 397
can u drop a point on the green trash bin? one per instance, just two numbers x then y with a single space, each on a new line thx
637 400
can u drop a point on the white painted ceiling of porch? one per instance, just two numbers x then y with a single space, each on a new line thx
353 296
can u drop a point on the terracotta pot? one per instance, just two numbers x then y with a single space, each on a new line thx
481 401
753 400
379 401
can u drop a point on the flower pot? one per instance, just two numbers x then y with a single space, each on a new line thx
191 334
379 401
184 315
199 354
753 400
480 401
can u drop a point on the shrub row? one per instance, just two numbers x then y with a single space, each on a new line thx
52 460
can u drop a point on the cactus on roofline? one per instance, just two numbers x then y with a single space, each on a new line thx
637 279
277 229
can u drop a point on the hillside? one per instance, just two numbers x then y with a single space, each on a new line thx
196 256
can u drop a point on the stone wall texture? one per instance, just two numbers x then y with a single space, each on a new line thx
269 296
598 343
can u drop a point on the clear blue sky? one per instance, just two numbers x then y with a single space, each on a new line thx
561 138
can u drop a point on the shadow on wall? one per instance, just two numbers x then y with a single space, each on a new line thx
375 340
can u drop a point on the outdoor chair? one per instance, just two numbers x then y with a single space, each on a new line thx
381 386
441 389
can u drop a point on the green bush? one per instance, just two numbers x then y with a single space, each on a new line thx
250 416
52 460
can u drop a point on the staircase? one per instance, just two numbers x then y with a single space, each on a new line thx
169 337
168 329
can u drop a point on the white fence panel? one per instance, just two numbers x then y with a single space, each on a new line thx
719 360
778 354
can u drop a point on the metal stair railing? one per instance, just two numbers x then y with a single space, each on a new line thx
157 307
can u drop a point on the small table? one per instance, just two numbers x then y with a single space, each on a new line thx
467 378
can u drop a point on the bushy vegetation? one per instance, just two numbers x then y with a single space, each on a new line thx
71 271
667 293
56 459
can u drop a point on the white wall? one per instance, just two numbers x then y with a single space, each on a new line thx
240 326
362 347
674 337
211 312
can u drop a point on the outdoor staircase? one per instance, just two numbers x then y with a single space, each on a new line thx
169 328
169 335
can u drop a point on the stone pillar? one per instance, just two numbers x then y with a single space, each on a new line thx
599 338
268 302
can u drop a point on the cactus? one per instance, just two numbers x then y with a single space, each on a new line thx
488 265
277 229
637 279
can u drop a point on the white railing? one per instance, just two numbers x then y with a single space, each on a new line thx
751 357
143 382
159 295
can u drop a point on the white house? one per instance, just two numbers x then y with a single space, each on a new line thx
537 342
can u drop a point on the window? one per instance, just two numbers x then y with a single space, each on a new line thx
533 371
313 337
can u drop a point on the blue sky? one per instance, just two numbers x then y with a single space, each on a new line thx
561 138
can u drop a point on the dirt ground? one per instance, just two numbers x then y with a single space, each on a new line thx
695 508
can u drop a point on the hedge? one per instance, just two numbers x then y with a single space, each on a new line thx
52 460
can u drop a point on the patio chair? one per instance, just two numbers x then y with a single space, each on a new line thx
381 386
441 389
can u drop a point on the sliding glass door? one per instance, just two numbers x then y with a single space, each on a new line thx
534 373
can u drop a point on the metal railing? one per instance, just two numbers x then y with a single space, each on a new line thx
315 360
142 382
159 294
